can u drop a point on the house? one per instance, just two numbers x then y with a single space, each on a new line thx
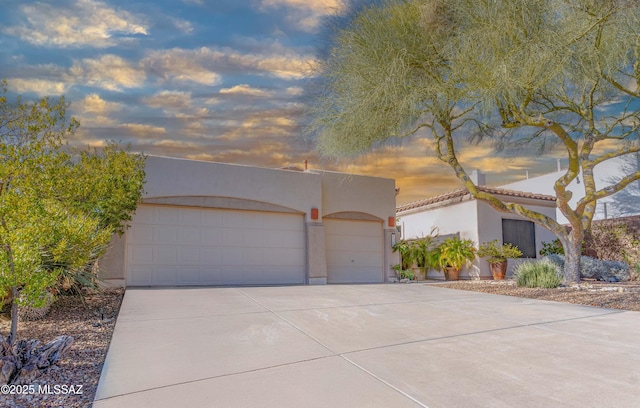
622 204
205 223
459 213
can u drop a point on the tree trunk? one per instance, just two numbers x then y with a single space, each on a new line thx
572 253
14 316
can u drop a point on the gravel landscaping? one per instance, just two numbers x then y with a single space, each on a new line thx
91 323
622 295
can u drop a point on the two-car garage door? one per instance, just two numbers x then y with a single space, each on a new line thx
169 245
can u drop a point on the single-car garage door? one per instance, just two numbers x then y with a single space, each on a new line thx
169 245
354 251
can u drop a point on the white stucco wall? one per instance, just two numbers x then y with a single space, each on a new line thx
490 228
603 172
459 218
470 219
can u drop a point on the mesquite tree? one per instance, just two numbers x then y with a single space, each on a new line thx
549 73
58 207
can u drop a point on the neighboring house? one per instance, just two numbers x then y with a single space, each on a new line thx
622 204
459 213
204 223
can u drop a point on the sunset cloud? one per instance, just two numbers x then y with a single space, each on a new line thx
243 89
143 130
83 23
303 14
94 104
108 71
170 100
38 86
182 65
206 65
94 111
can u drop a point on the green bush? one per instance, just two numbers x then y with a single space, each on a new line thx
538 274
552 248
497 253
404 273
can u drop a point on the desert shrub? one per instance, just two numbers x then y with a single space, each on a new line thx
615 241
599 269
538 274
556 259
635 274
603 270
29 312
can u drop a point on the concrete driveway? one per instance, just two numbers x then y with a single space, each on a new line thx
392 345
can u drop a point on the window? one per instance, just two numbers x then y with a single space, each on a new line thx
521 234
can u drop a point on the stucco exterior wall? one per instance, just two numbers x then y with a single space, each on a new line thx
190 183
348 193
471 219
490 228
456 218
459 218
172 177
604 173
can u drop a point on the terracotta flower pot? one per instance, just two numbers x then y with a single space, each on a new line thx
451 273
499 270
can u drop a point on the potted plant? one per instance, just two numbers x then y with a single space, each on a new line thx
497 256
420 250
406 256
453 254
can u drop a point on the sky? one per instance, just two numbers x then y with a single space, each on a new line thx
216 80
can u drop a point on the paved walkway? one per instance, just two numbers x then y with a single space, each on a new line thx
392 345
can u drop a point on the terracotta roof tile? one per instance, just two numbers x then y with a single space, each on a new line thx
463 191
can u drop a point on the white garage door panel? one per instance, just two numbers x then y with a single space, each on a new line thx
354 251
194 246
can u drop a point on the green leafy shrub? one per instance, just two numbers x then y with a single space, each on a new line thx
404 273
408 274
497 253
552 248
406 254
455 252
538 274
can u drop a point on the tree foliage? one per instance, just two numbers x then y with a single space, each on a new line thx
58 207
545 72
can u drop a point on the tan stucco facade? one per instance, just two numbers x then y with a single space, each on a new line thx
197 184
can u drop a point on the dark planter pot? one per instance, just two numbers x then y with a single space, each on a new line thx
451 273
499 270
